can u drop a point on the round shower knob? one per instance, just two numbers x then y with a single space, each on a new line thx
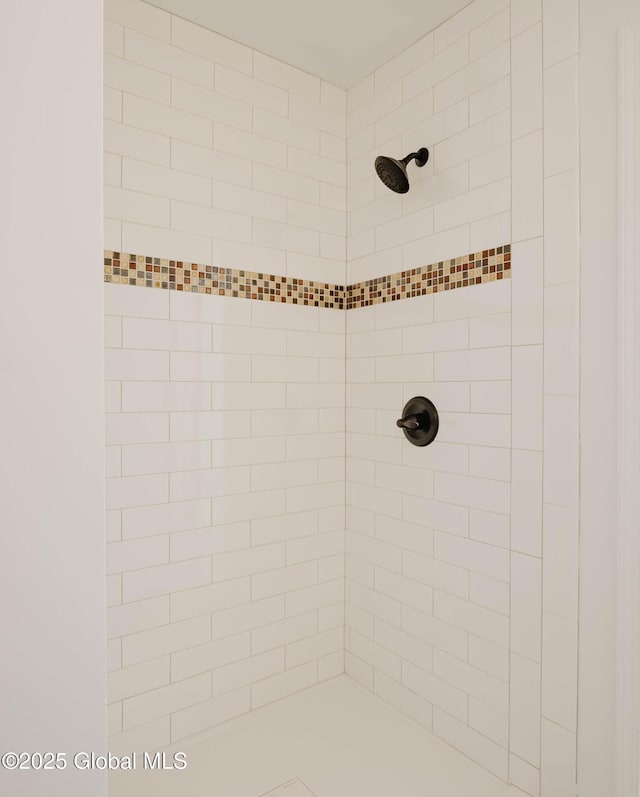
419 421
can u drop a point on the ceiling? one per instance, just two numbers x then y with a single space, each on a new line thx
341 41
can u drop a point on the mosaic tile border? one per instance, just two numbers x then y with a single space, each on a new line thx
446 275
154 272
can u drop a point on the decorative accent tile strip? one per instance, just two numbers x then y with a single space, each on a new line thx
155 272
485 266
176 275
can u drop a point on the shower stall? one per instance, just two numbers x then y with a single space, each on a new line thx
353 537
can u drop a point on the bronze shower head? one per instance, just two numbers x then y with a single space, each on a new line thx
393 173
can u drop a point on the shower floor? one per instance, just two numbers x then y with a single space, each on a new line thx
332 740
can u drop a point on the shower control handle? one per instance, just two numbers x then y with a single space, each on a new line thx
419 421
410 422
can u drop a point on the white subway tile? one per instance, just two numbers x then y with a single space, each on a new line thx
161 181
491 297
209 425
489 34
167 121
314 647
524 14
468 617
561 30
466 20
490 462
526 82
136 79
163 58
112 104
286 683
157 642
473 744
318 116
436 69
166 579
150 736
165 700
203 658
524 776
490 101
137 554
139 16
435 691
139 678
407 535
247 672
136 490
561 451
557 760
561 116
404 700
166 243
477 557
525 710
489 722
194 484
286 77
437 574
207 714
234 508
249 146
560 670
562 339
113 38
561 228
284 632
287 131
165 396
489 593
148 520
251 615
527 280
198 39
405 62
211 309
526 502
210 221
560 565
136 143
136 207
488 657
202 161
490 166
202 542
526 604
131 618
192 366
210 598
526 391
489 527
527 187
377 656
480 73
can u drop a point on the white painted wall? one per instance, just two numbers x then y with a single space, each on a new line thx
599 135
51 429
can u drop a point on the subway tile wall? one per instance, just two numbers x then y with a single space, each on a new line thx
226 455
225 423
225 497
218 154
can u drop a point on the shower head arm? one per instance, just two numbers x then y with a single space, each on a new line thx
421 157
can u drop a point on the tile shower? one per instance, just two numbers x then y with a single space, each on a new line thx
269 308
